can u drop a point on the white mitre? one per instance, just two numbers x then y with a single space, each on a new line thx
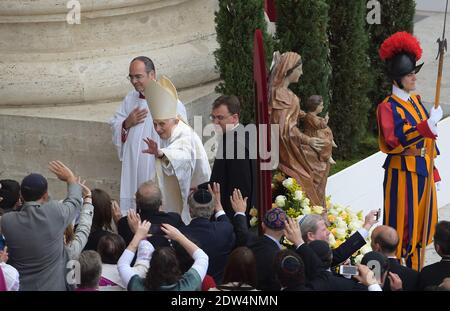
162 99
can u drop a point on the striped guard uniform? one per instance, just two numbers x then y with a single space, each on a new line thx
402 128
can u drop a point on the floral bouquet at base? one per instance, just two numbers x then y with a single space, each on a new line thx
341 221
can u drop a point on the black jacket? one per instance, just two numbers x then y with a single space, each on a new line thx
409 277
216 239
346 249
234 172
434 274
155 218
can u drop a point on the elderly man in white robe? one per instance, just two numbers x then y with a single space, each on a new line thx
181 160
130 125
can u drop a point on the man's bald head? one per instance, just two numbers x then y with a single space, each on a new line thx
385 240
148 196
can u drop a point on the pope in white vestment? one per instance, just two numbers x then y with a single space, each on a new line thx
181 160
136 166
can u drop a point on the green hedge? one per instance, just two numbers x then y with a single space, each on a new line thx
236 22
302 27
351 80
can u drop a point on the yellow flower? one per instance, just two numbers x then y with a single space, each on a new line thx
253 221
344 215
253 212
338 243
286 241
278 177
317 209
331 218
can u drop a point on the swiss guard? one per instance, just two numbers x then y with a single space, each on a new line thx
406 134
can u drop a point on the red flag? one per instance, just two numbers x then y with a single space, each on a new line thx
269 7
264 177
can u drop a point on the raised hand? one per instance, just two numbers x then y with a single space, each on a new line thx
116 213
85 191
133 219
238 203
292 232
370 219
215 192
171 232
142 230
62 172
135 117
152 147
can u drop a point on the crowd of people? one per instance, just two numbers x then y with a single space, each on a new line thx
149 249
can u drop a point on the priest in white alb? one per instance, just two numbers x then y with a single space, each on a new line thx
181 160
131 123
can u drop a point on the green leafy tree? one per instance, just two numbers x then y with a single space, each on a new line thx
302 27
395 15
351 80
236 22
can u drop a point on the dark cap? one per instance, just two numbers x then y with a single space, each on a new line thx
290 264
275 219
202 196
33 187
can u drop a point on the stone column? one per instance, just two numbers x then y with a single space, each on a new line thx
44 60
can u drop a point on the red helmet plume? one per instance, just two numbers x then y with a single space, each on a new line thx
400 42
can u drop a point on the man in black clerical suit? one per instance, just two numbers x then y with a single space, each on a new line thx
235 163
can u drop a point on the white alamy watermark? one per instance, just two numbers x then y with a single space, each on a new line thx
374 15
73 277
74 14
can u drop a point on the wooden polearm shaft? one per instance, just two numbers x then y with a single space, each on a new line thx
430 180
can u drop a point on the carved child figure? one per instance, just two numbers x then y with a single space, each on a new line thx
316 126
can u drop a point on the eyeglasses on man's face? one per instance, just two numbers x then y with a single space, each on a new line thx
219 117
138 77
